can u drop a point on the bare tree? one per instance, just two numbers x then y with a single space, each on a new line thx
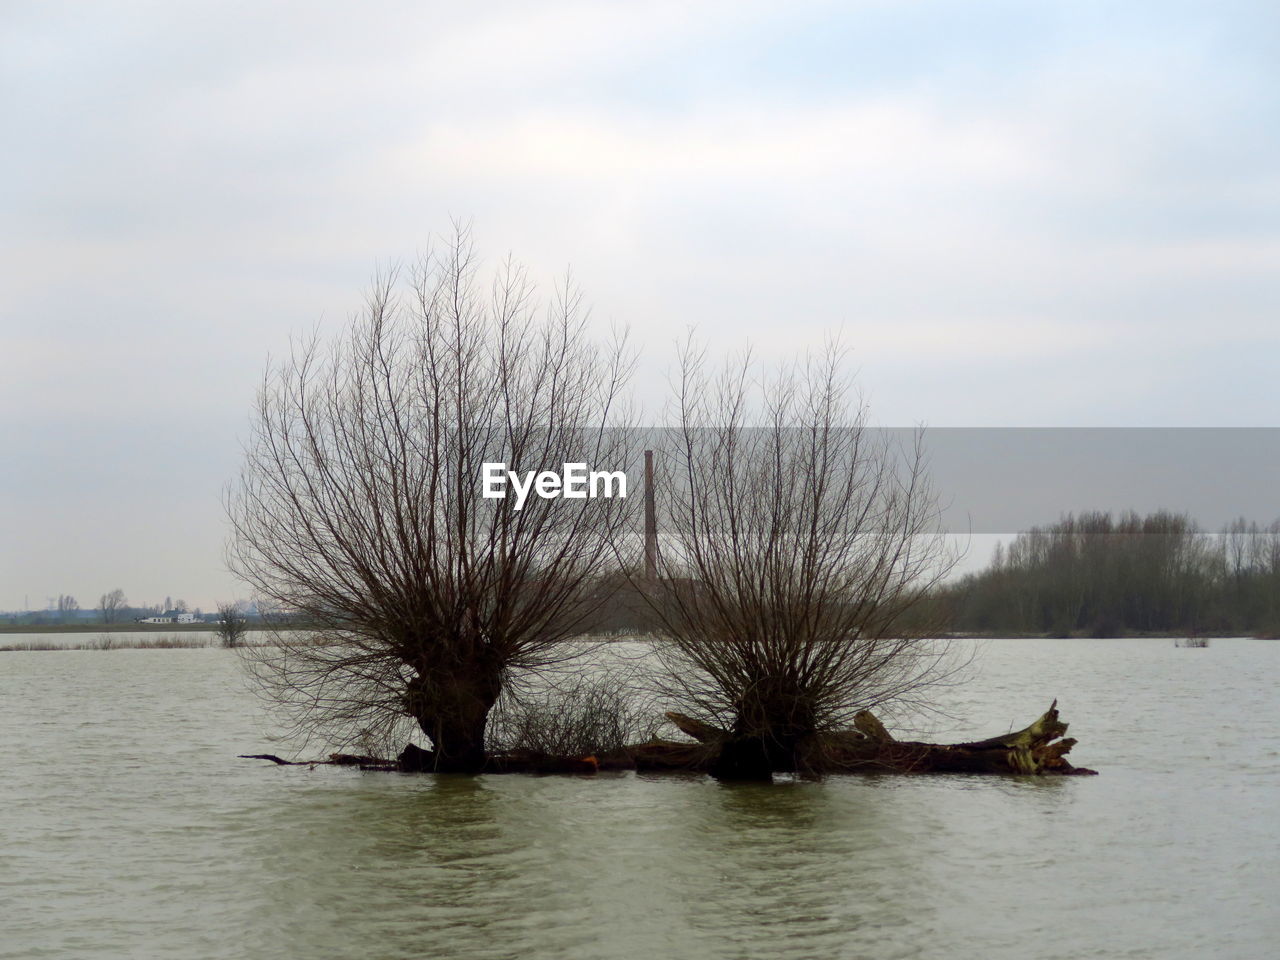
799 547
232 623
1236 539
110 604
360 504
67 607
581 713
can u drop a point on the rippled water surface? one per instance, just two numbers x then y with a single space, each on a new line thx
131 830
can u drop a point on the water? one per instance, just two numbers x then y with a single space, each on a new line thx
130 830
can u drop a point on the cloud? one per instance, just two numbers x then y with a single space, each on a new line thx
1037 214
736 143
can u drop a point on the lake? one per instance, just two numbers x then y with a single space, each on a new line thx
131 830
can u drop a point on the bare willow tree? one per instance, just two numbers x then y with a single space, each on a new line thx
798 549
68 606
112 604
360 505
233 625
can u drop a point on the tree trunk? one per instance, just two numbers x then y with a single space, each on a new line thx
742 755
742 758
459 742
454 714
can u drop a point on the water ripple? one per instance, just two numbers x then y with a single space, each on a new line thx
130 830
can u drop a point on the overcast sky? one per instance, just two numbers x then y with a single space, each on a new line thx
1021 214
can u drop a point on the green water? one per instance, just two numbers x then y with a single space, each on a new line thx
130 830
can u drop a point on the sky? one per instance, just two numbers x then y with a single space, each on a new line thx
1051 214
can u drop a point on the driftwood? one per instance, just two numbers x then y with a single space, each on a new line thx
335 760
1036 749
413 759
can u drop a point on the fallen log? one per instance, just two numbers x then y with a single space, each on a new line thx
702 732
865 723
335 760
1037 749
274 759
670 755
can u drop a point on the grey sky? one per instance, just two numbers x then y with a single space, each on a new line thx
1049 214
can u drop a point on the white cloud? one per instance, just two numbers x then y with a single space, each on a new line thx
1013 224
892 140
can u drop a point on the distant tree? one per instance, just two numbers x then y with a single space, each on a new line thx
1237 538
359 506
67 607
181 607
232 623
111 604
1270 549
799 549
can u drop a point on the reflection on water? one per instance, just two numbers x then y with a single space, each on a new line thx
130 830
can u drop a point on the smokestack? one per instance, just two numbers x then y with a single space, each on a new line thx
650 521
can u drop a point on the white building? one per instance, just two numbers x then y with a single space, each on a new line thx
172 618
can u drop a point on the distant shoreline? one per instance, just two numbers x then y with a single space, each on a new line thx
168 628
1085 635
132 627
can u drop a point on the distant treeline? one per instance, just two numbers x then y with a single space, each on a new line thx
128 619
1103 576
1088 575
